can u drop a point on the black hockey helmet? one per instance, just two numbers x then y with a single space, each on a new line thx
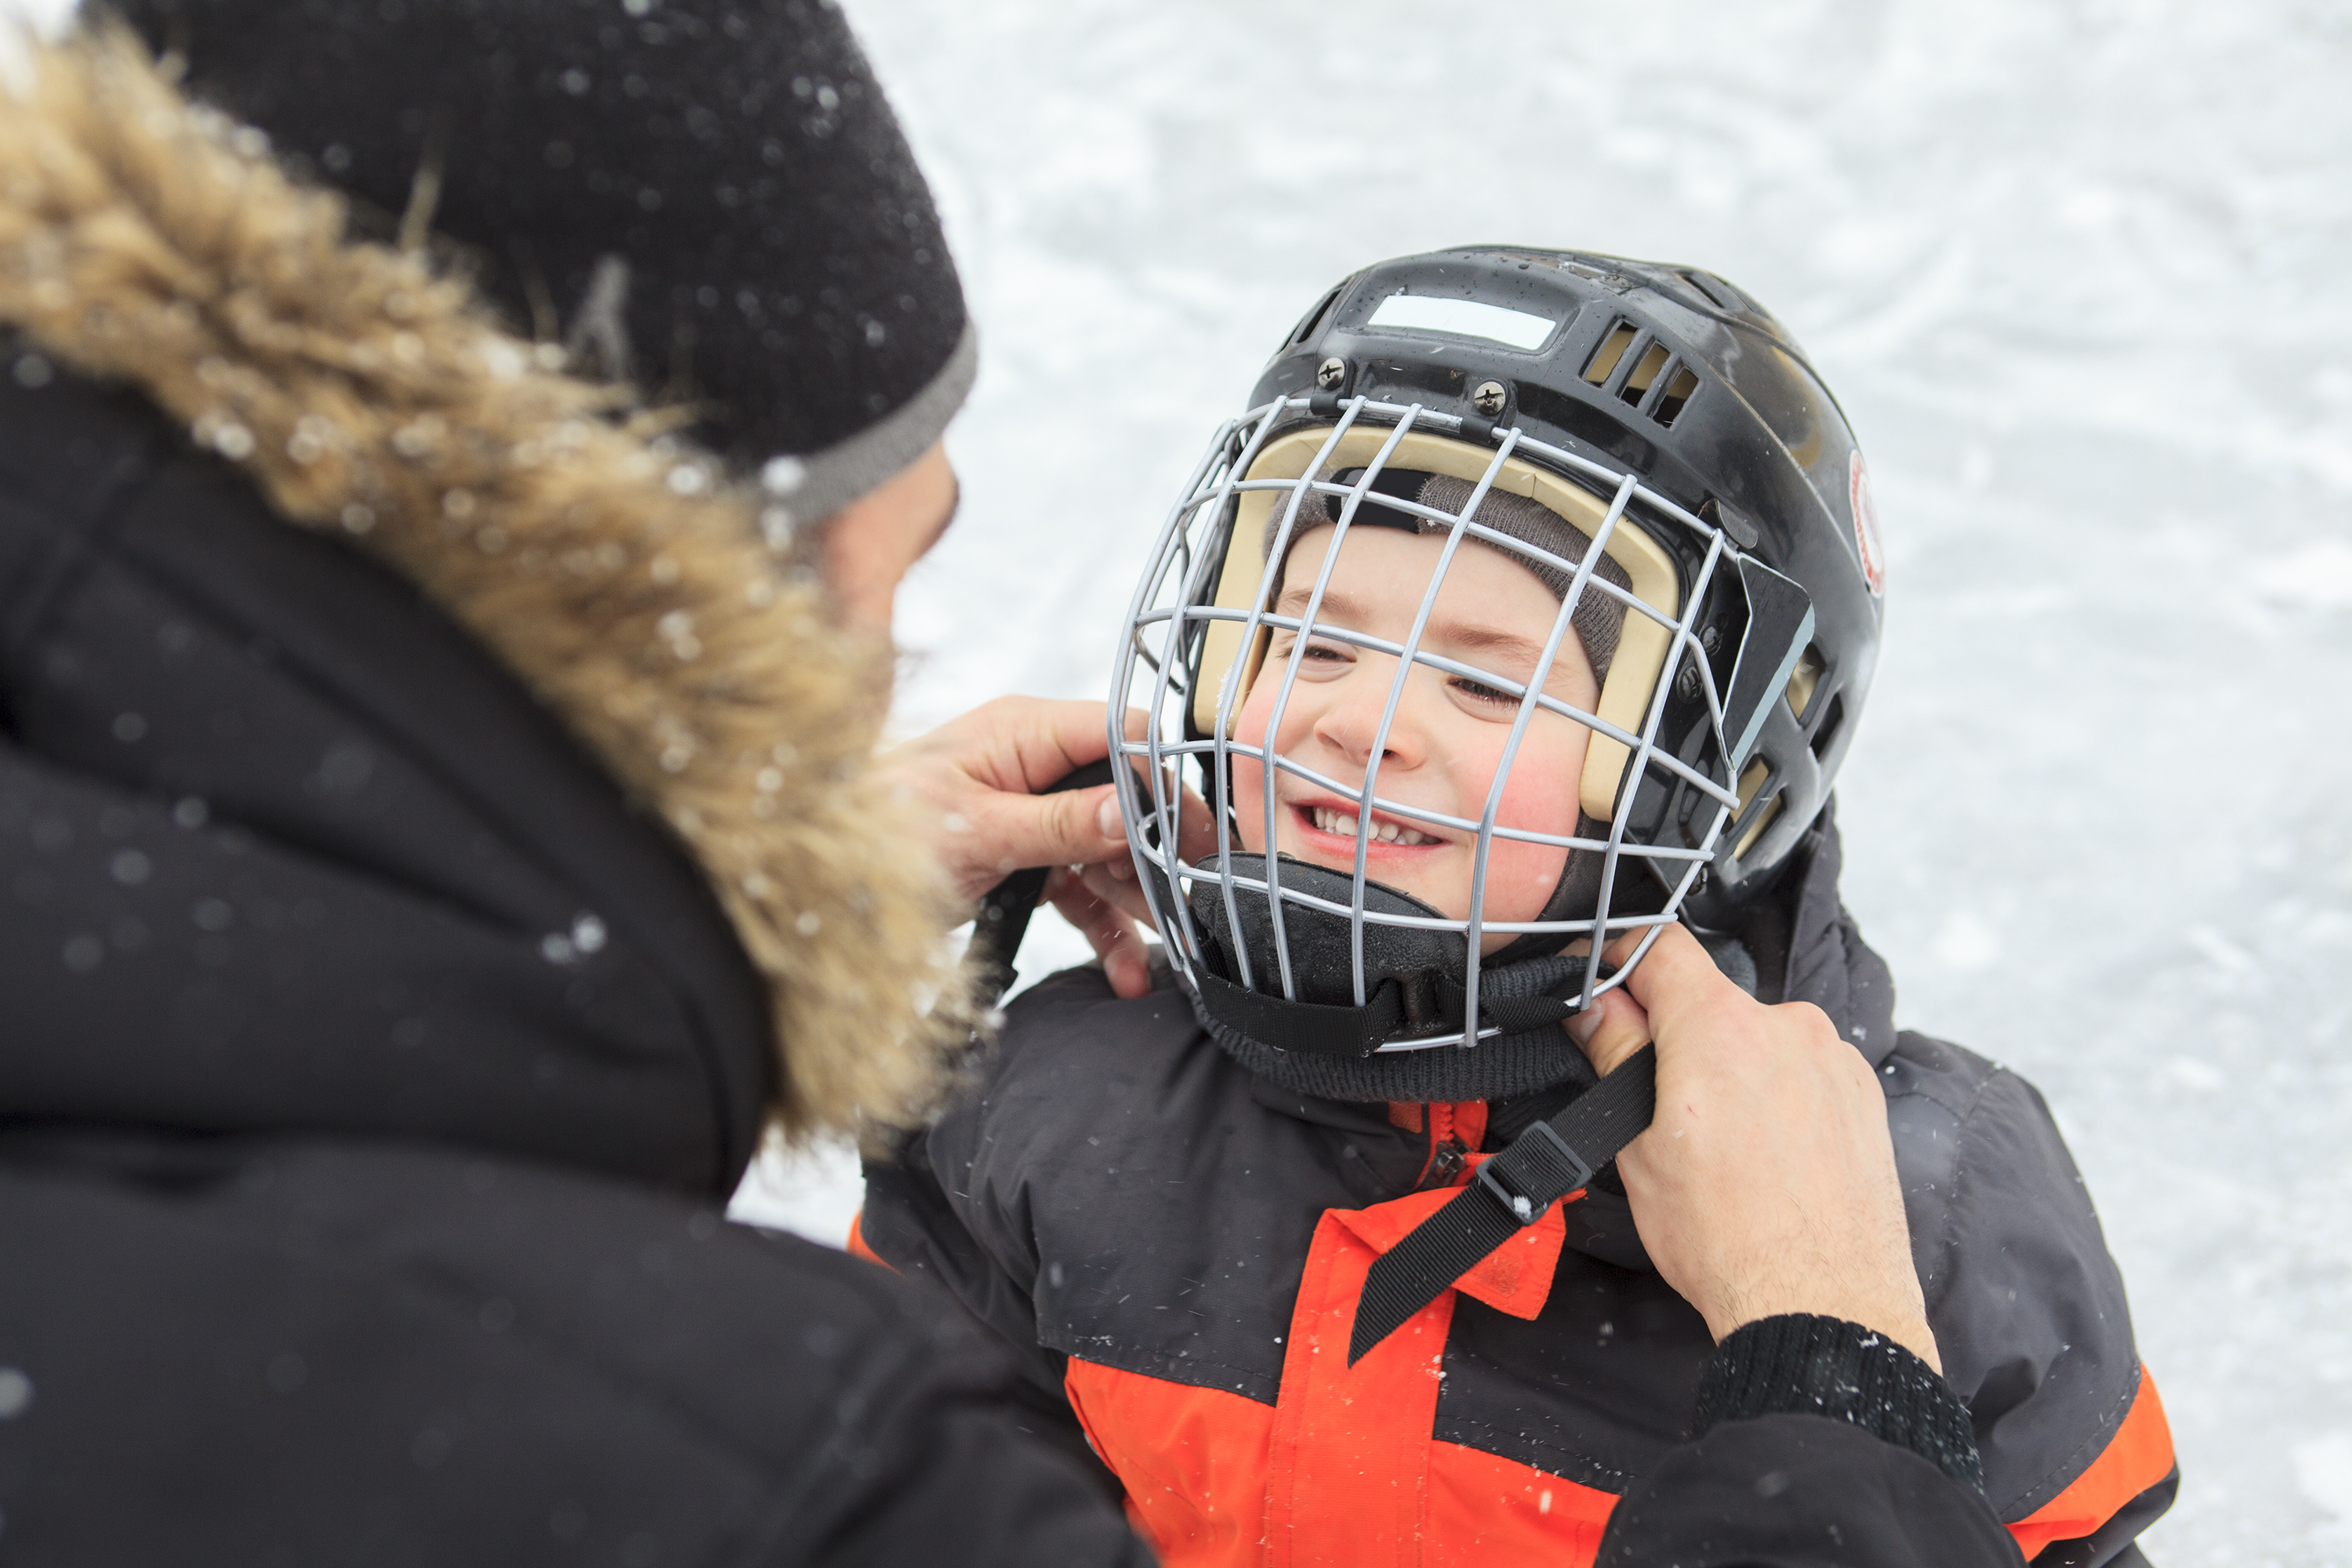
1644 437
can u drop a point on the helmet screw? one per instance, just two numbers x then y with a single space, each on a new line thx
1687 683
1487 398
1330 374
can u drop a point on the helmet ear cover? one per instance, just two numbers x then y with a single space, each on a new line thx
1642 647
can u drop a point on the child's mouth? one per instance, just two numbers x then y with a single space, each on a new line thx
1344 824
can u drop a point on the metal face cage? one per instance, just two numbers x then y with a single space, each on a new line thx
1710 639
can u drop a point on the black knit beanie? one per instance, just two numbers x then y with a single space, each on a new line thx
708 198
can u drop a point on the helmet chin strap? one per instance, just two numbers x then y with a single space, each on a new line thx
1318 1040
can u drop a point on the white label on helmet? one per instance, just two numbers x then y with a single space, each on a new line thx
1865 526
1464 318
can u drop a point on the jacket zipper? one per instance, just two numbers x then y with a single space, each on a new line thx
1445 1162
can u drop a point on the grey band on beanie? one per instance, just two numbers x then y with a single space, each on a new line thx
1599 618
813 487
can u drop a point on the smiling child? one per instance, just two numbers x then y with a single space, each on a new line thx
1167 1207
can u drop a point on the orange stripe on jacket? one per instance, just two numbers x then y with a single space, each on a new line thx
1195 1464
2137 1458
855 1244
1485 1510
1192 1460
1348 1468
1343 1467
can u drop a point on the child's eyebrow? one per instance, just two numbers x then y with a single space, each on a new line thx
1468 637
1517 650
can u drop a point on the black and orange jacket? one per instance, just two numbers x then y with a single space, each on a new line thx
1176 1248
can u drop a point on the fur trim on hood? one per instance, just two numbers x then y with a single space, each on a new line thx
621 575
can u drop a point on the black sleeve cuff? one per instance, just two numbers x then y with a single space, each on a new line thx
1804 1365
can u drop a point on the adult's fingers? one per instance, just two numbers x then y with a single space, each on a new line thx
1048 739
1114 883
1018 743
1076 827
1676 979
1196 828
1016 747
1051 738
1108 930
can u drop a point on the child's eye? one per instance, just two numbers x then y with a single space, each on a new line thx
1320 649
1478 691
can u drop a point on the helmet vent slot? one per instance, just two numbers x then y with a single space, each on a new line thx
1678 393
1832 718
1604 362
1714 290
1804 678
1756 830
1752 780
1309 323
1645 374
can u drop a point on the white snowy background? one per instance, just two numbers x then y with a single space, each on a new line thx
2078 271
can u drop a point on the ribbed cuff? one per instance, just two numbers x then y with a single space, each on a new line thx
1804 1365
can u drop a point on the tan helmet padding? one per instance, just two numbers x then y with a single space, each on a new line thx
1640 649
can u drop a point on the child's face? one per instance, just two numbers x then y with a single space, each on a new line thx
1447 739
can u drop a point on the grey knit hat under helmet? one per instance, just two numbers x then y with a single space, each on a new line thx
1597 618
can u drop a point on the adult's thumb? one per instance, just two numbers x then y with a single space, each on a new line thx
1076 827
1611 1029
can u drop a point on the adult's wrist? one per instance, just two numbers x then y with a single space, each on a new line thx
1802 1363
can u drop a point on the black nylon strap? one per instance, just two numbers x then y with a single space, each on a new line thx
1307 1027
1511 1015
1389 1011
1002 919
1543 1165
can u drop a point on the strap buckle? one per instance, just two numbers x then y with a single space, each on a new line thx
1521 1207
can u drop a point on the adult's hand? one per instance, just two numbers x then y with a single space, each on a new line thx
1767 1183
979 773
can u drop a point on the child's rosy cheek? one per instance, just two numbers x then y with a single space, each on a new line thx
1249 801
1539 798
1520 877
1521 873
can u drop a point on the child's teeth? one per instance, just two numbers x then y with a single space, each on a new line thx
1341 823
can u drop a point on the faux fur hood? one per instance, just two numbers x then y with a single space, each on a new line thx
622 576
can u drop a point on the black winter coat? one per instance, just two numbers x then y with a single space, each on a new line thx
372 1081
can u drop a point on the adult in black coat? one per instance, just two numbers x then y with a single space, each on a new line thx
435 841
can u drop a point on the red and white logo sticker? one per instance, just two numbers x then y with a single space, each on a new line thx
1865 526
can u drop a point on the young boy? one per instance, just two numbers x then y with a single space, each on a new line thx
1535 585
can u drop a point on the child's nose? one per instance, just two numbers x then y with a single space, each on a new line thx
1351 721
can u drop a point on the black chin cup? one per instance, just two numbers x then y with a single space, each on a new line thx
1414 976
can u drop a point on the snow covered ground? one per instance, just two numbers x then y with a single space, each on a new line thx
2076 269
